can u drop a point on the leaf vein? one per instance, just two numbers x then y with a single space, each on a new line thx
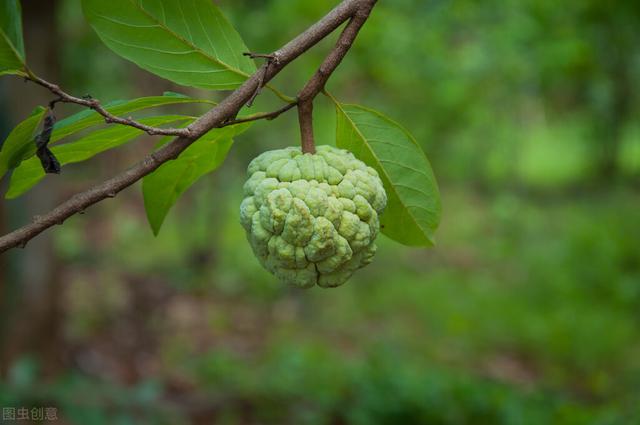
135 46
399 164
126 24
413 188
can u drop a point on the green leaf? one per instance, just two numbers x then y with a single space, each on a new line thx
163 187
87 117
30 171
188 42
20 142
11 41
413 209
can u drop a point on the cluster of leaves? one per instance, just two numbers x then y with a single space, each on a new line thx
192 44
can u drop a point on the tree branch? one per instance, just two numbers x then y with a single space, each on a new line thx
261 116
94 104
316 84
355 10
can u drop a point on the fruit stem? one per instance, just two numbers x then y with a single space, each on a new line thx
305 117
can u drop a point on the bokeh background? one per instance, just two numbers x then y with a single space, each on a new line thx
526 312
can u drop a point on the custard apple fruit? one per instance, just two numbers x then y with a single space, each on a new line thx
312 218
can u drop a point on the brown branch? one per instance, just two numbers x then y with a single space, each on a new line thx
94 104
262 116
317 83
355 10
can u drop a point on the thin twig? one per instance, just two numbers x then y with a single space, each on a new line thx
215 117
258 89
262 116
272 58
94 104
253 55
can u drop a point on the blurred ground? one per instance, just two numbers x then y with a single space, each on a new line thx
526 312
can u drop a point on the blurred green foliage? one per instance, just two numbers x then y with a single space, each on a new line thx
526 312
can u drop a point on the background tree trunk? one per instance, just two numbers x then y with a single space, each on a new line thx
30 290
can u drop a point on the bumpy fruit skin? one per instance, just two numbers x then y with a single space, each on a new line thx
312 219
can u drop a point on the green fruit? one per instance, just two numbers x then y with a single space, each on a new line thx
312 218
